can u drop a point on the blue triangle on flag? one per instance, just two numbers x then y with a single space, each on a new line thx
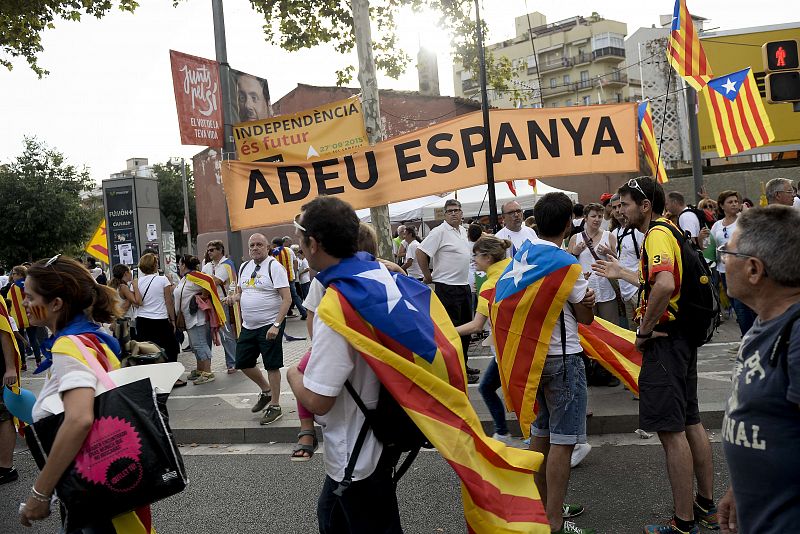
729 85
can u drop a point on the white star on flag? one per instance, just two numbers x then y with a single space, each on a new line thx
729 86
382 276
519 269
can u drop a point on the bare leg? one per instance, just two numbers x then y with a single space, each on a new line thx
701 457
679 469
255 374
204 366
274 378
558 471
7 442
541 445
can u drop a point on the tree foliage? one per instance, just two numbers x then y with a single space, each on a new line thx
23 21
170 198
43 213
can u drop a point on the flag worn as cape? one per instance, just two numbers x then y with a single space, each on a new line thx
527 305
404 333
16 294
5 326
207 282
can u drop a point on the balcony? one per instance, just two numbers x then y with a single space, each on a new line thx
468 85
608 54
560 89
556 64
615 79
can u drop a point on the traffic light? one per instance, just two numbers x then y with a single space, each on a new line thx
782 64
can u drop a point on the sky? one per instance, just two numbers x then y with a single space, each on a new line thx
109 94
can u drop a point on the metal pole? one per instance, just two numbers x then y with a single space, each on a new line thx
641 71
487 139
187 220
694 141
228 148
368 78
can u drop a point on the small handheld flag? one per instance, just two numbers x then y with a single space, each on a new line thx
97 246
738 118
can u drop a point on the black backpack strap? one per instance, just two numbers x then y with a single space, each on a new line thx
635 244
781 346
241 268
362 436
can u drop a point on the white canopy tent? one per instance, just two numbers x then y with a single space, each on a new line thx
406 210
475 200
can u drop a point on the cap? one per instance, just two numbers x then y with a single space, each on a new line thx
605 197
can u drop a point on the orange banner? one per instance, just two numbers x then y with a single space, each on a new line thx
198 97
526 143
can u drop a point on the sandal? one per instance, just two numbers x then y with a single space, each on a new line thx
299 452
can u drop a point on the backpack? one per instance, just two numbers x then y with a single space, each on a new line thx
780 350
392 426
698 305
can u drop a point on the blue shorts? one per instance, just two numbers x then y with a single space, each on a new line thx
562 401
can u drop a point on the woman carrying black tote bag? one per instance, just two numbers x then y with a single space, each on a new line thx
99 455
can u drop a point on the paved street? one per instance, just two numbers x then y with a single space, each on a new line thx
255 489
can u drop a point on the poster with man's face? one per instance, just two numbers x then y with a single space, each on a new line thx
251 101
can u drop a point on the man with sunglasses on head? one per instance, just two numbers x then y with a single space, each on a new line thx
668 379
449 248
513 229
263 291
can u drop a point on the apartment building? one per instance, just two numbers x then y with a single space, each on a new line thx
577 61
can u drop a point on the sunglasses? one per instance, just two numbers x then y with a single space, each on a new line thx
513 212
52 260
298 226
453 211
633 183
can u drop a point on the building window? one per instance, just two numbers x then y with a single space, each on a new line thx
587 100
569 103
619 98
531 60
553 83
566 79
584 75
466 75
608 40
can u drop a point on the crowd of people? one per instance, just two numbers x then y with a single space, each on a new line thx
632 267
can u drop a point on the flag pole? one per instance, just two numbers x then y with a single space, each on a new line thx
694 141
487 139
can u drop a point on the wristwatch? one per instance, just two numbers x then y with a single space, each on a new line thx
276 325
643 336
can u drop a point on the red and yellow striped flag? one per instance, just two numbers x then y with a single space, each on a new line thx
647 135
738 118
5 326
236 310
206 282
98 246
614 348
16 295
684 52
405 335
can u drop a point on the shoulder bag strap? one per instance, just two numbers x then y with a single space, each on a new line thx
635 244
781 346
589 245
148 288
347 479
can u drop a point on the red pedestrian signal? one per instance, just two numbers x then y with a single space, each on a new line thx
780 55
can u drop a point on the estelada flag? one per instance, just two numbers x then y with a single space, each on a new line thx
98 246
738 118
206 282
15 296
684 51
527 303
236 310
405 335
647 135
5 326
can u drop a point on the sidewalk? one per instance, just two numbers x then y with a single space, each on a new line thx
219 412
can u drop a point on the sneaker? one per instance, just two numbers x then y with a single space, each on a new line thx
262 401
231 370
8 474
505 438
669 528
571 510
706 518
272 414
473 379
205 378
472 371
194 375
571 528
579 453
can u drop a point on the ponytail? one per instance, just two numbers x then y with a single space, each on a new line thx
105 308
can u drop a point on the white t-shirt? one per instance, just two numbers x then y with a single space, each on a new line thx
315 293
411 254
450 251
182 295
575 296
517 238
220 271
65 374
796 203
722 234
261 301
605 224
333 361
306 276
154 305
602 287
628 257
3 280
688 222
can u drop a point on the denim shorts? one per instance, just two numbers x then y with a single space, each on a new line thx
562 401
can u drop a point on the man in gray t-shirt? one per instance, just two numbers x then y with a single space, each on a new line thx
761 428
